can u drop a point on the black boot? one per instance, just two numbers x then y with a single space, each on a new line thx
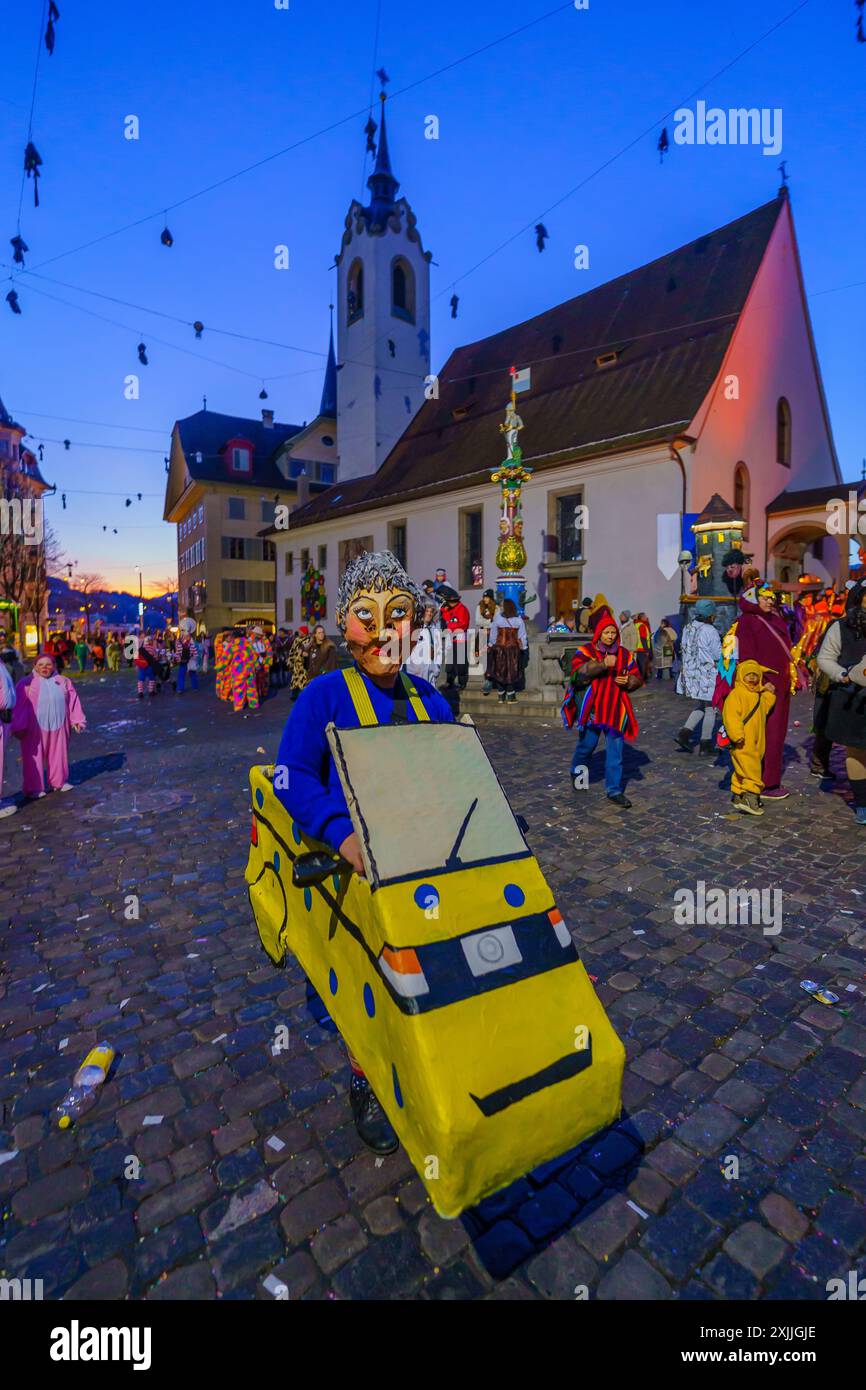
371 1122
684 739
707 748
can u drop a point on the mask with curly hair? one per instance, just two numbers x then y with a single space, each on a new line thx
377 607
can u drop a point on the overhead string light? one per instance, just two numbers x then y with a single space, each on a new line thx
53 16
142 354
455 300
370 131
861 34
19 247
541 235
12 301
664 144
32 165
165 235
199 328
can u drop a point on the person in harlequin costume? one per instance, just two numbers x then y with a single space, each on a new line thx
378 605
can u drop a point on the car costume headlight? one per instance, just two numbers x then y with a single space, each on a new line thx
403 970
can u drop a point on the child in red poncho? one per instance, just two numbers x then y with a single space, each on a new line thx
602 674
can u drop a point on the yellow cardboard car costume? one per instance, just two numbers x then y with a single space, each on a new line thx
447 968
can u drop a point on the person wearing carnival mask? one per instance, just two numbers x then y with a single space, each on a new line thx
378 605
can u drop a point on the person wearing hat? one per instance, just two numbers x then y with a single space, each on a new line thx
602 674
732 578
455 621
745 714
700 649
763 636
582 624
840 715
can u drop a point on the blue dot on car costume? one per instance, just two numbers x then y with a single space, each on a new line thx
332 982
369 1002
308 899
514 896
276 862
296 834
335 879
398 1094
425 895
260 800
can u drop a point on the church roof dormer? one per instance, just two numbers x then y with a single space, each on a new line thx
382 183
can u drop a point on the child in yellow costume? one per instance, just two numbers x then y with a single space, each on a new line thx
745 718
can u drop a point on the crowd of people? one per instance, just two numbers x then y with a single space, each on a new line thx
746 676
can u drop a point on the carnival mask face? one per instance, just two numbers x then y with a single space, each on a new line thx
733 571
766 602
377 630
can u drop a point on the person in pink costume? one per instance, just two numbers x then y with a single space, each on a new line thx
47 709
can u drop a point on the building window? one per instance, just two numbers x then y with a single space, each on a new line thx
323 557
240 460
347 551
355 292
269 551
248 591
327 473
305 561
201 515
402 290
297 468
397 541
237 510
783 432
268 512
569 533
290 562
289 610
471 557
741 490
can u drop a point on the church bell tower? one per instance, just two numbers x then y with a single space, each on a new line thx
383 323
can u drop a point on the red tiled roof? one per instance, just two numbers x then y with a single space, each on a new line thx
669 322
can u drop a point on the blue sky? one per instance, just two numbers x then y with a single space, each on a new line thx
221 86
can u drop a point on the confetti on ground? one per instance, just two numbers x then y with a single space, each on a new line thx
639 931
275 1286
39 988
63 1042
183 730
83 918
275 1143
634 1206
221 1036
153 1119
192 955
123 1003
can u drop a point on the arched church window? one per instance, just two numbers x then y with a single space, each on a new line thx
783 432
741 490
355 292
402 290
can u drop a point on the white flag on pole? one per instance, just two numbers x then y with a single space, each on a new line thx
522 380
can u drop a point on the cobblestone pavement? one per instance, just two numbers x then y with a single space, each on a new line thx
727 1056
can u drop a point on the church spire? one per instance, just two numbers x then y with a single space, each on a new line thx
382 183
329 389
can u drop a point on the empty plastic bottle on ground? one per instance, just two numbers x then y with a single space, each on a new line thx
85 1086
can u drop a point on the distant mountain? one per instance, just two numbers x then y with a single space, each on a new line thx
107 605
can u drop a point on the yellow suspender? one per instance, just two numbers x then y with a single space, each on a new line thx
363 705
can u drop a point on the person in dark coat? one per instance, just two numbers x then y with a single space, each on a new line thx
323 654
840 715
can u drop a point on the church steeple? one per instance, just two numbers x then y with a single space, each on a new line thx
329 389
382 183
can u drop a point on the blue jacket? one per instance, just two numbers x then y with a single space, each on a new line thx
314 797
